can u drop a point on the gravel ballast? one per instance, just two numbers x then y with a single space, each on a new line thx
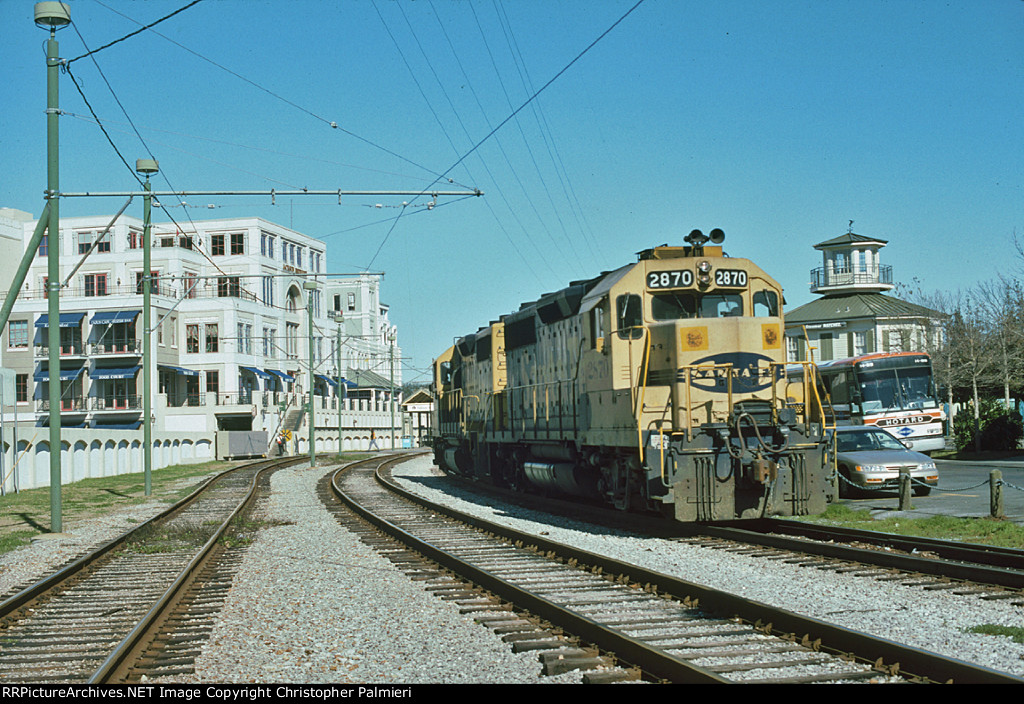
312 604
933 620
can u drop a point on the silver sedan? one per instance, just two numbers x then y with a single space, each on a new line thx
871 458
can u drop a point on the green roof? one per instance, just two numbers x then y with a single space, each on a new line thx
852 306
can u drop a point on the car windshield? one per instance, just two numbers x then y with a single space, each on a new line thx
861 440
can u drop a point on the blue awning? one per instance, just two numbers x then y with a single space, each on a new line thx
65 374
114 316
329 380
115 372
67 320
282 375
179 370
349 384
258 372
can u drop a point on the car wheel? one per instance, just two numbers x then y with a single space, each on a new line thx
922 490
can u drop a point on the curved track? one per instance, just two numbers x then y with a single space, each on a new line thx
671 630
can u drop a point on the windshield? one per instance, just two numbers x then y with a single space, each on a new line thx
683 305
861 440
896 389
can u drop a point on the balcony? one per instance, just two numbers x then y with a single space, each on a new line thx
67 405
116 403
825 280
124 347
189 400
68 349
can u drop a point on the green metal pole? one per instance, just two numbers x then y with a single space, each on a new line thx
53 273
340 401
147 361
31 251
312 417
392 391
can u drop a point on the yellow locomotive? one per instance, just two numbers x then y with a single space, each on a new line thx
658 386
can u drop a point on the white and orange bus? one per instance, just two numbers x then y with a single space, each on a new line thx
891 390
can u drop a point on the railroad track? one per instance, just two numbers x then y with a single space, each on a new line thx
668 629
987 572
84 623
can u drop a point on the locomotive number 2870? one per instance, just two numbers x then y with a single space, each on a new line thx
669 279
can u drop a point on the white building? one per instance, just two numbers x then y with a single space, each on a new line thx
230 336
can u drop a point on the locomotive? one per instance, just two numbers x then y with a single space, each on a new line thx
659 386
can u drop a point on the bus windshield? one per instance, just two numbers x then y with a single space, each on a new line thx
896 389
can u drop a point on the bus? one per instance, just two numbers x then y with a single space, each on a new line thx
894 391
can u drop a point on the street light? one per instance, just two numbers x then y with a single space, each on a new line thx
53 16
310 286
339 318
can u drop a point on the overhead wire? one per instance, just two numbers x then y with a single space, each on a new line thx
529 100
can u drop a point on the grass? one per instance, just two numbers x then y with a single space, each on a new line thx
988 629
25 515
987 531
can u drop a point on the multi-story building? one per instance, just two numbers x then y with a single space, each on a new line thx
854 316
370 352
230 337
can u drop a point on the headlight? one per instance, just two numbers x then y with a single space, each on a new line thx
704 273
929 466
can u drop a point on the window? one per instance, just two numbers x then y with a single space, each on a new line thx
191 283
44 247
248 339
298 257
351 301
95 284
174 332
21 388
85 240
217 245
192 339
766 304
228 286
630 316
134 239
154 282
238 243
291 341
268 290
17 334
213 382
212 337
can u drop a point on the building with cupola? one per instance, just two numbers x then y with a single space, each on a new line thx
854 316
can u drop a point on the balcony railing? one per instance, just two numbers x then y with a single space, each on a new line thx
116 403
185 400
133 347
823 277
71 349
73 405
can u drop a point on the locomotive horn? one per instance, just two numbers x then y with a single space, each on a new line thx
717 236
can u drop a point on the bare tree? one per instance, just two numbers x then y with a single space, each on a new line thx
1001 304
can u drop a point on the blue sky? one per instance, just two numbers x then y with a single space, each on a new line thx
778 121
